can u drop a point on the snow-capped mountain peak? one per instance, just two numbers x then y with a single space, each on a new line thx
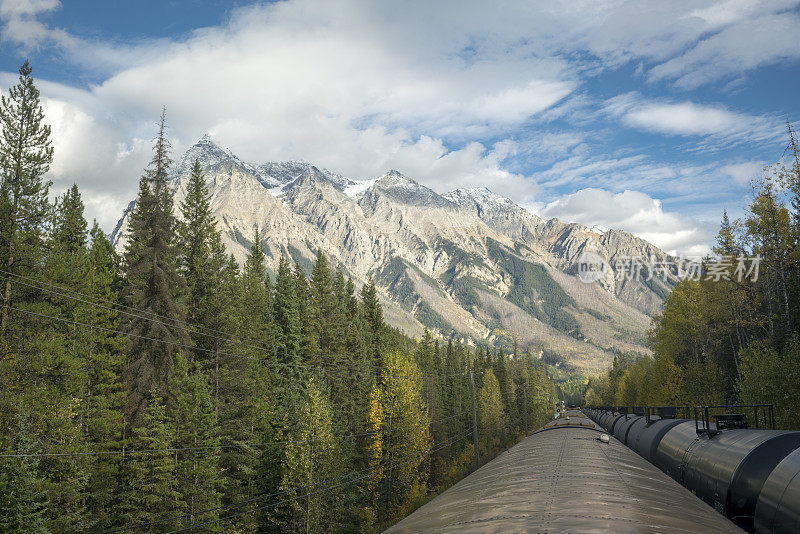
401 188
470 263
397 179
208 153
481 196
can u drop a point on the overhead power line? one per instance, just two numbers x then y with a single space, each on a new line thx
189 327
368 470
195 348
212 447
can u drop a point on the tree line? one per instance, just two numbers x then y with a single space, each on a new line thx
727 338
171 389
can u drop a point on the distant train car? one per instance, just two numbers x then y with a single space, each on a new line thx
647 440
623 427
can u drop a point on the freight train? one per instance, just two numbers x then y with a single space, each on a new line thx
734 460
568 476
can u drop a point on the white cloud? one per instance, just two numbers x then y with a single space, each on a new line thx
21 26
742 173
360 87
87 151
690 41
738 48
19 8
287 81
637 213
703 188
691 119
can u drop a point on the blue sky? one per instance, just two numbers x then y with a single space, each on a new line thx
649 116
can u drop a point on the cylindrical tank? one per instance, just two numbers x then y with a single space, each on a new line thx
614 421
605 418
672 449
778 506
636 430
623 426
728 470
651 436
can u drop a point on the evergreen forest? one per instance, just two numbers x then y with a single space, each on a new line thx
169 389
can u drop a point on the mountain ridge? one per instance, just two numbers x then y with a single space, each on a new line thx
468 263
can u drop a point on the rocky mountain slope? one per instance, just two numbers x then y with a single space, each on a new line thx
470 263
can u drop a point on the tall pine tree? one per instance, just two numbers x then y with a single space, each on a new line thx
152 284
373 318
25 156
196 232
194 426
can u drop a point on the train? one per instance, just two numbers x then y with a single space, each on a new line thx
733 460
571 475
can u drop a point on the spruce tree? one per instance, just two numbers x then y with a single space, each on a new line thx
25 156
492 417
24 504
286 311
373 317
325 310
246 408
726 240
219 309
501 372
104 397
256 320
350 396
152 284
150 493
309 333
65 347
196 232
194 426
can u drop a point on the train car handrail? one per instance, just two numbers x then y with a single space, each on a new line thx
702 414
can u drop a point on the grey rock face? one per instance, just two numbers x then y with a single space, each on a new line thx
470 264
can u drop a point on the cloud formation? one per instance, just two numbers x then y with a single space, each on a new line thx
636 213
361 87
710 122
751 34
21 25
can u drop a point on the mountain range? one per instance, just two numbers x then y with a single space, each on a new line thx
469 264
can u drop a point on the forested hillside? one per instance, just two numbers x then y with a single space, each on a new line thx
171 389
733 333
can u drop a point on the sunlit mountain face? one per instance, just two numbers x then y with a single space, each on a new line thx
469 264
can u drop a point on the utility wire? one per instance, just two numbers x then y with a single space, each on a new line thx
207 447
501 427
190 327
143 315
191 347
262 497
341 484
